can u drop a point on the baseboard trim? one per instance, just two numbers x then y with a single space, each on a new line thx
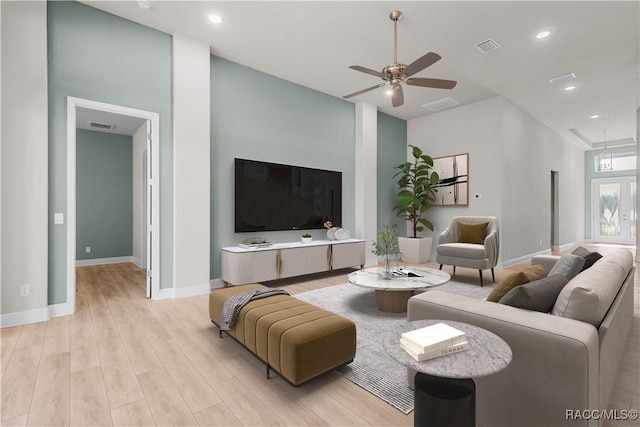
519 260
189 291
24 317
104 261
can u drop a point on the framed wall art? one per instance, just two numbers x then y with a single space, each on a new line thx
453 186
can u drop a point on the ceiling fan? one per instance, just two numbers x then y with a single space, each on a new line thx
396 74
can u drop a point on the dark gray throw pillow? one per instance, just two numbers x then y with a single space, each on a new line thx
589 257
569 265
539 295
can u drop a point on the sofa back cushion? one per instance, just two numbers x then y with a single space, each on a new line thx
588 296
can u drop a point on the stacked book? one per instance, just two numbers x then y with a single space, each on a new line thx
433 341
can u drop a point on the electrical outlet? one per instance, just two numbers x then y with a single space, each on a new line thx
88 249
25 290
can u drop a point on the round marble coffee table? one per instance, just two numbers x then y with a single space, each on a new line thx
393 294
444 386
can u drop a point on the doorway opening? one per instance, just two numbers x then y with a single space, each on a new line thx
148 164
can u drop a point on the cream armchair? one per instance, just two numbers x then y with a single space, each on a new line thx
456 248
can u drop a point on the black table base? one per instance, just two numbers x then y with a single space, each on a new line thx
444 402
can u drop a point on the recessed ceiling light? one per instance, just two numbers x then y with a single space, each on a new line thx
543 34
144 5
569 88
595 116
215 19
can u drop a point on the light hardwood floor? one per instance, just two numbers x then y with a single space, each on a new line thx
122 359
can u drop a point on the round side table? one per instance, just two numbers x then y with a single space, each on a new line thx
444 386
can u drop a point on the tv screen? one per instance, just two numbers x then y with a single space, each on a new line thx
273 197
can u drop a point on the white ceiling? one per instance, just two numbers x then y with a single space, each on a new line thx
313 43
122 125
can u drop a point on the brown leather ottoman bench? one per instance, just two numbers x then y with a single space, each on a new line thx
296 339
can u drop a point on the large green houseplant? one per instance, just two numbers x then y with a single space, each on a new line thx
417 183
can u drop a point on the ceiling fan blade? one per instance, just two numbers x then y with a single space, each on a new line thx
367 70
421 63
364 90
436 83
397 96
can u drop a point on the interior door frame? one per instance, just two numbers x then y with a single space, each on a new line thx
625 206
154 245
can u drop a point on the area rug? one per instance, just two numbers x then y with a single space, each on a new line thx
373 369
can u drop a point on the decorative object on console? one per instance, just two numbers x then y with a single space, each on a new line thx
306 238
386 245
417 194
336 233
254 242
453 186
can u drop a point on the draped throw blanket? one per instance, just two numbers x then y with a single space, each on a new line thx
232 306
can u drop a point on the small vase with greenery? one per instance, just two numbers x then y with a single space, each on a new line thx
417 183
386 245
306 238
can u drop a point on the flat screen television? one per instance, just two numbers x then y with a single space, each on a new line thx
274 197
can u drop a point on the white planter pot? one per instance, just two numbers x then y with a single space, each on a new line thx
306 239
415 251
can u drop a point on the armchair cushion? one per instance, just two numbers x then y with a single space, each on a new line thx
463 250
472 233
529 274
539 295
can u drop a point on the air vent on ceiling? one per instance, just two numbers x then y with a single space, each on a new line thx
104 126
487 46
441 104
562 79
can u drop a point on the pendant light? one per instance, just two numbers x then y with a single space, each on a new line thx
605 158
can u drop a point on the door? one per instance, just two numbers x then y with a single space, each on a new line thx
148 195
614 210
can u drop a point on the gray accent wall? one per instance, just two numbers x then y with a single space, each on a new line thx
260 117
104 195
392 151
97 56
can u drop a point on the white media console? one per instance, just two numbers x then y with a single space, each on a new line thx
281 260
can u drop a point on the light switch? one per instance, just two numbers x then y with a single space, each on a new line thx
58 218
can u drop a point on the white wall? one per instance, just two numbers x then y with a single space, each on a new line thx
139 145
511 156
472 129
366 142
24 161
191 165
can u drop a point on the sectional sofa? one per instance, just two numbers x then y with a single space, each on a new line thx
564 364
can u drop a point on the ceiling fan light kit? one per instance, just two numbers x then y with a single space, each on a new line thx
397 73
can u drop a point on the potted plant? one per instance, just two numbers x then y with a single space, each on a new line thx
386 245
306 238
417 194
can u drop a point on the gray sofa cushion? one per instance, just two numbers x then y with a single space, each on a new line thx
589 295
568 265
539 295
589 257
